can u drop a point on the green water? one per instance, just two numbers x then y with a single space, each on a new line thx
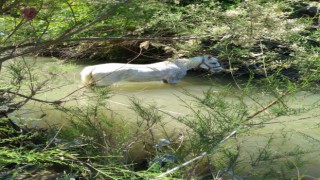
65 83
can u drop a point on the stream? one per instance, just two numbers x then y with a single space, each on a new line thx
303 129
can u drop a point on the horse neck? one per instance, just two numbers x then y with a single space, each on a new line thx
189 63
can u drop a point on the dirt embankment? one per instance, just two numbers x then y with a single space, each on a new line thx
263 57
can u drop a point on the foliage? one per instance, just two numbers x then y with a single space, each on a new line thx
251 35
277 40
209 123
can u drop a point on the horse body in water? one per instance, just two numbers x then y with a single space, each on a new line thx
166 71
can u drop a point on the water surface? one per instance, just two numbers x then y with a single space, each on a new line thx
300 130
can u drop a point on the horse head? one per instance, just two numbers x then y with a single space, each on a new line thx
211 64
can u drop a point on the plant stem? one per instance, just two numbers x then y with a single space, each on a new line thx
198 157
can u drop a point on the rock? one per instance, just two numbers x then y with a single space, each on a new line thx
163 159
313 43
304 10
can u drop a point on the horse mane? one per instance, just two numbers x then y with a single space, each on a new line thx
189 63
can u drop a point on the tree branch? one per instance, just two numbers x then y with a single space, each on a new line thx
181 38
73 14
196 158
30 97
268 106
14 31
6 9
67 34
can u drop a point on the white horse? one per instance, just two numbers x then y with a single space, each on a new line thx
166 71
